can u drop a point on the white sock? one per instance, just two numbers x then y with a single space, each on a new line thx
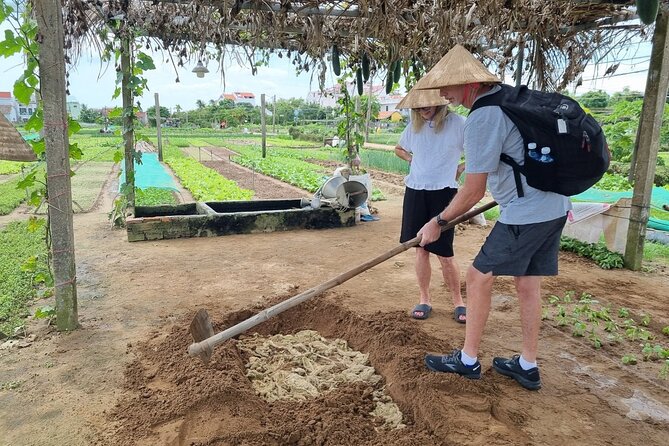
525 365
466 359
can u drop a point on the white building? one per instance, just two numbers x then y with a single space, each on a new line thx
74 109
240 97
8 106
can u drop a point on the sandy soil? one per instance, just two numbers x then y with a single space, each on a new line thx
125 378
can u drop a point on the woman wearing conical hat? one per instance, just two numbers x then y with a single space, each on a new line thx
525 240
432 144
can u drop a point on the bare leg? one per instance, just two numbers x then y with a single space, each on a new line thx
529 297
423 275
479 289
451 273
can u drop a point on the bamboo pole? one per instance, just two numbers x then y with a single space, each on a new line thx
263 125
158 129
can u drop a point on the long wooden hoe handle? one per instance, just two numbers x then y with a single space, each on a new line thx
205 347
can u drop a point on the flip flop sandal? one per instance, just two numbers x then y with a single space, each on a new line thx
458 313
421 311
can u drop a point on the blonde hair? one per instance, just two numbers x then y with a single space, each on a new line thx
417 121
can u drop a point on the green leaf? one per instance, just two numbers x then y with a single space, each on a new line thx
73 126
75 151
32 80
45 312
27 182
35 198
144 62
115 113
22 92
36 122
10 45
118 156
39 147
5 11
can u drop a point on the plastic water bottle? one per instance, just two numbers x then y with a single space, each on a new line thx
532 151
545 155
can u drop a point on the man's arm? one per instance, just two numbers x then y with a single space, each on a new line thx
470 194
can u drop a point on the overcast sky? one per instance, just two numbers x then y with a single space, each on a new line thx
93 84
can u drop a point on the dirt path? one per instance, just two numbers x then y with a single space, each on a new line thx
124 378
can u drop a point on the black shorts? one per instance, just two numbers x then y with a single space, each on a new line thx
418 208
521 250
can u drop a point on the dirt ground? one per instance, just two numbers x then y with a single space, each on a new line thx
125 377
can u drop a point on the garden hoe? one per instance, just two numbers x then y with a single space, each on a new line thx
203 332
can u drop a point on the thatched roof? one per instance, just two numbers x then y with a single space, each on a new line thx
12 145
559 37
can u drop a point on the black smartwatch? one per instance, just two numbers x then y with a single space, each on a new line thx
440 221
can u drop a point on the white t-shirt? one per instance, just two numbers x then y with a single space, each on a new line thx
489 133
435 156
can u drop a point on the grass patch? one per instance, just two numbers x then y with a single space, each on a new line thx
18 246
9 167
10 196
390 139
384 160
656 252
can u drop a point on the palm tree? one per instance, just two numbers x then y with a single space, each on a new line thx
200 103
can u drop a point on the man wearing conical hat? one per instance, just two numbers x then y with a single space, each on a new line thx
432 145
524 242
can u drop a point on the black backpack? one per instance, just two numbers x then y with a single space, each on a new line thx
580 155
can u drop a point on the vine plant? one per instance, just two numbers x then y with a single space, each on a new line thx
112 37
349 127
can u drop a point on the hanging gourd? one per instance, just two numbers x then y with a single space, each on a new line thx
647 10
336 66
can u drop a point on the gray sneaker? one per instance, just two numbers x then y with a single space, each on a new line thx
511 368
453 364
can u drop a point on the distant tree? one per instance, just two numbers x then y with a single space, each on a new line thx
626 95
595 99
200 104
151 114
89 115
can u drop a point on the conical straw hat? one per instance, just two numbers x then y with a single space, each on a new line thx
12 145
457 67
421 98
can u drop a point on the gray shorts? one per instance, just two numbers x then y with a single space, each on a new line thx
521 250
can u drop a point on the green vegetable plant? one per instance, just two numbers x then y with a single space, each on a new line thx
595 323
629 360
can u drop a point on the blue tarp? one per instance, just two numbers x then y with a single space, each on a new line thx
150 174
659 196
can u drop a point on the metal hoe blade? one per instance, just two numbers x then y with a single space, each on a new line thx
201 329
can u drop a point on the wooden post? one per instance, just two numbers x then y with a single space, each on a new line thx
262 123
368 118
519 61
128 132
59 189
158 130
648 140
274 114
